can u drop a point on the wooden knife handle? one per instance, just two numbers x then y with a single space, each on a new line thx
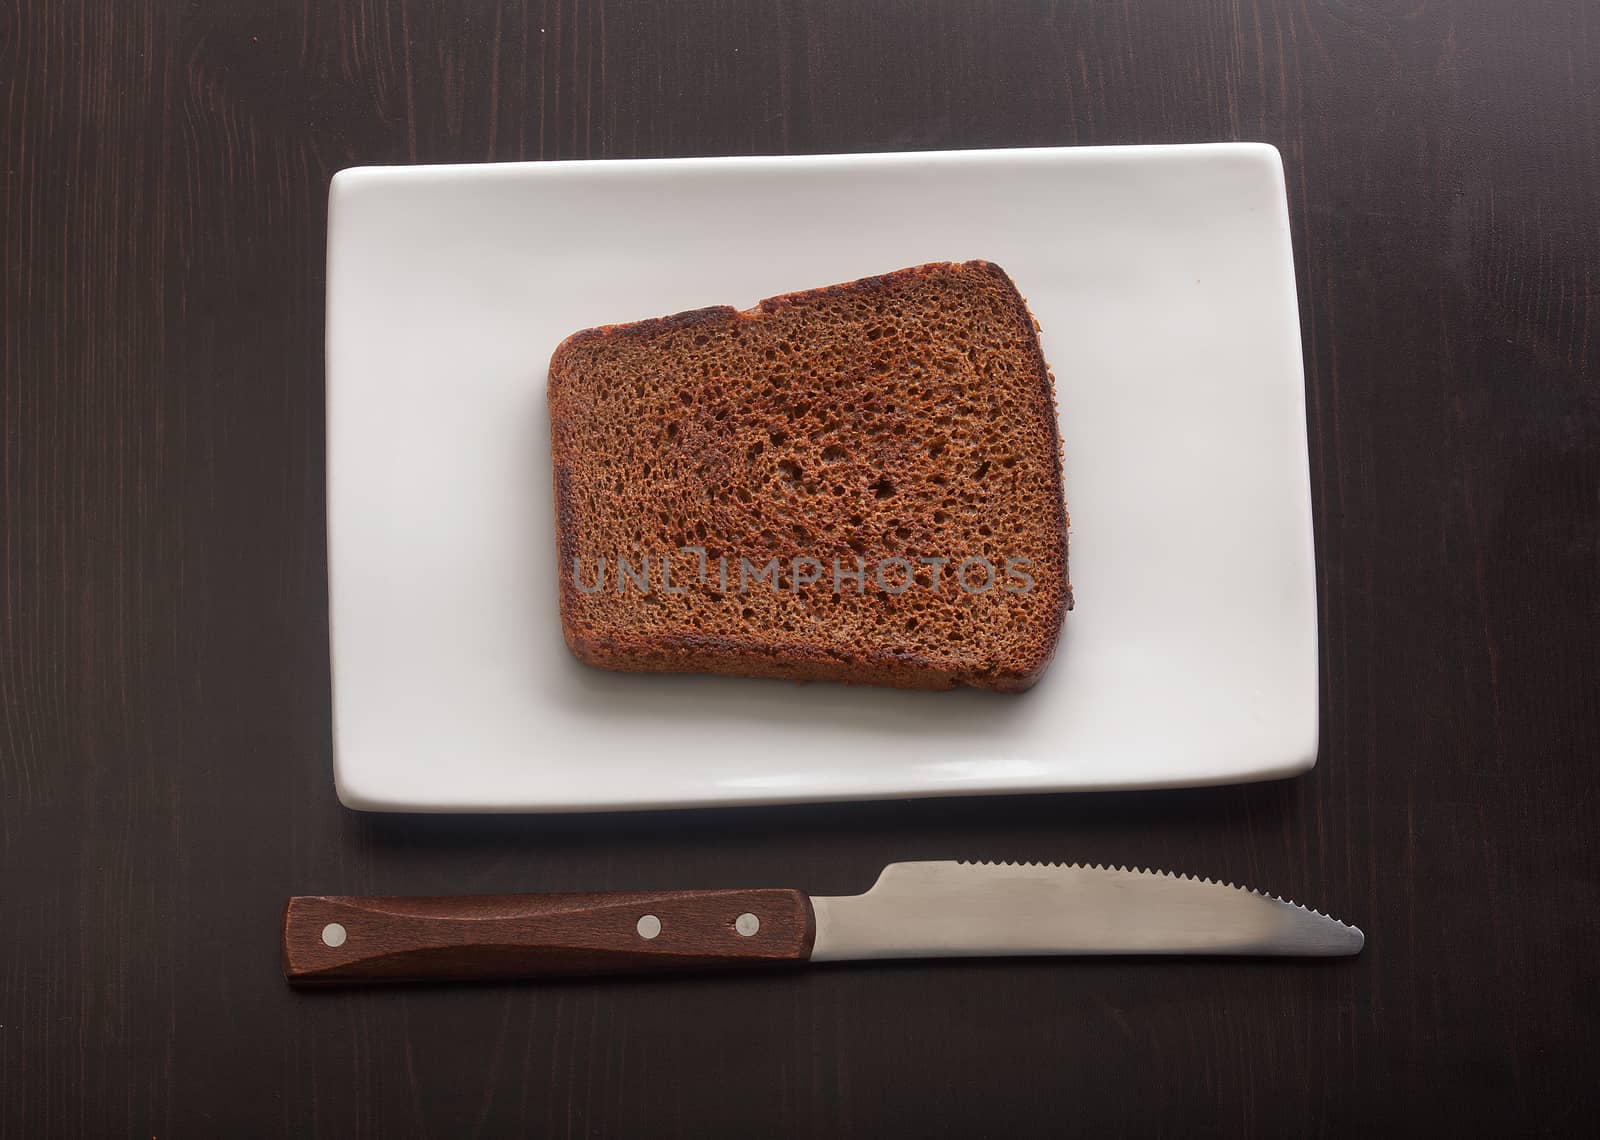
342 940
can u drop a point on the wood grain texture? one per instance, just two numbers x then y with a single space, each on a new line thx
164 706
476 937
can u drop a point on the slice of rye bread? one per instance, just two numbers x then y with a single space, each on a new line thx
908 416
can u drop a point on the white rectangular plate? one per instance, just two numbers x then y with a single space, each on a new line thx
1164 282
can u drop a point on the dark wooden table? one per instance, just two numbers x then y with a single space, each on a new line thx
164 700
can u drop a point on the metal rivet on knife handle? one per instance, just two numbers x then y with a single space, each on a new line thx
649 926
333 935
747 924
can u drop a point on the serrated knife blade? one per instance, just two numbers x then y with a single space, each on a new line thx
914 910
952 909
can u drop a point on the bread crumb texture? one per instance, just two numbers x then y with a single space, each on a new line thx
812 489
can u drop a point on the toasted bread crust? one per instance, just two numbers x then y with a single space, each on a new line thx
872 640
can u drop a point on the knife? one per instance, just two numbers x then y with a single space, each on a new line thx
914 910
